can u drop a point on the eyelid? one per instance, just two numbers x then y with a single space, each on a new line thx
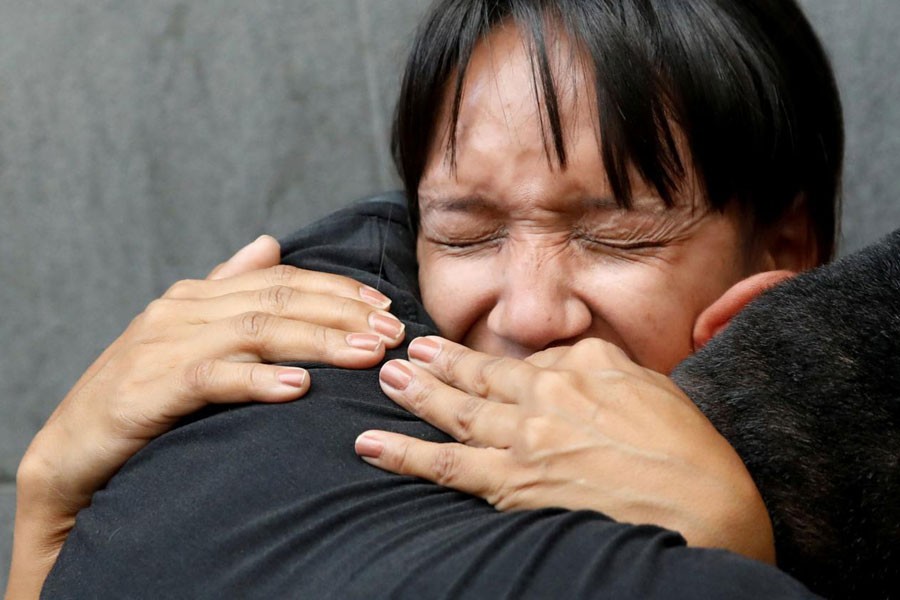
467 244
637 243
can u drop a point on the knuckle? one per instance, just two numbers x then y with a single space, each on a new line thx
614 354
257 376
418 399
591 345
451 359
611 376
320 340
466 418
186 288
252 325
346 311
533 437
598 352
277 299
589 349
493 365
553 384
281 275
445 465
199 375
401 460
509 499
157 312
484 373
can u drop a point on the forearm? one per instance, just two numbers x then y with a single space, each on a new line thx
734 518
36 544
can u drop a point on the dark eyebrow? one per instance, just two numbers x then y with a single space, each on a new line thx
462 204
475 203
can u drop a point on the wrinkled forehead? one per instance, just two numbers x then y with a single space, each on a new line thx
505 119
541 87
546 92
504 79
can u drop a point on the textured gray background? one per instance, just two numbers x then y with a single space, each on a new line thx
142 142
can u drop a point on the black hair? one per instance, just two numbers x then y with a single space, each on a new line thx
746 82
805 385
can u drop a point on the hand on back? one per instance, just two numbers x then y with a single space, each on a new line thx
203 342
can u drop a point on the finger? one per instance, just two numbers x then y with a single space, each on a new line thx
549 357
211 381
468 419
264 251
594 354
475 471
261 337
497 378
287 302
280 275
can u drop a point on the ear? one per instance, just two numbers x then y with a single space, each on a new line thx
791 242
714 319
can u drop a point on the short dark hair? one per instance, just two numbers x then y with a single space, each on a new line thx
746 82
805 385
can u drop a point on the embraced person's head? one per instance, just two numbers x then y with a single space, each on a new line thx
804 384
610 168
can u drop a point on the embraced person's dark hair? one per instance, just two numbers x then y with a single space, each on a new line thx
743 90
804 384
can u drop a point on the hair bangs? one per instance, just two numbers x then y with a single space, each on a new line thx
737 96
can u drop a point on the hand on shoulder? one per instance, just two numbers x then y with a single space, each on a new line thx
203 342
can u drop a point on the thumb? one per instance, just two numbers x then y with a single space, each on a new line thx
263 252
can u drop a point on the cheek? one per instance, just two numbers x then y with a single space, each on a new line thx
647 312
456 292
657 310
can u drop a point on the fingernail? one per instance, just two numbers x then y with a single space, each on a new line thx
424 349
369 445
396 375
293 377
386 324
372 296
364 341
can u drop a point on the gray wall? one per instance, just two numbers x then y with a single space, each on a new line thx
142 142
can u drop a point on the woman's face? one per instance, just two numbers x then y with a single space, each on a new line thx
517 255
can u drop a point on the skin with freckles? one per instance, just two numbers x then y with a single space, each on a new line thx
517 254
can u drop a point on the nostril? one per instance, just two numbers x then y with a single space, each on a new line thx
533 323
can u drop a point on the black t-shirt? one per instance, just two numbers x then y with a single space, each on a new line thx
270 501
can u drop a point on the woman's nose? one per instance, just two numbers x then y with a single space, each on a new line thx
538 306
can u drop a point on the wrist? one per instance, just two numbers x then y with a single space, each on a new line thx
737 520
38 538
43 482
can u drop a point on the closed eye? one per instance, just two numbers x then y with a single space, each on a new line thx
461 246
627 249
620 244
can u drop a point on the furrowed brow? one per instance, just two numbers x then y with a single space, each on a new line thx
460 204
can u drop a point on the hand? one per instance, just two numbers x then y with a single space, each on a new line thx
577 428
203 342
